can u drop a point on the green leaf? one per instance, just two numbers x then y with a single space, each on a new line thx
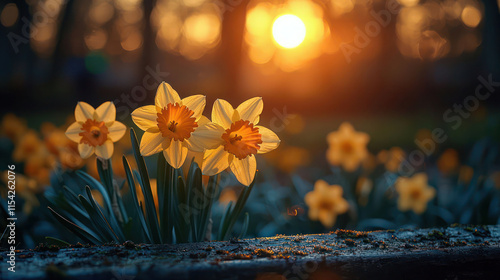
140 214
181 225
146 189
78 231
164 191
56 241
244 228
97 219
96 185
106 175
212 189
224 221
240 203
112 224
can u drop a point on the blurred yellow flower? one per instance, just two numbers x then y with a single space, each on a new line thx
326 203
13 127
289 158
28 145
38 167
95 130
347 147
174 126
465 174
414 193
392 158
62 147
227 195
448 162
238 139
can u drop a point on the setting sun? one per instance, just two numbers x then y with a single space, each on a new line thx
289 31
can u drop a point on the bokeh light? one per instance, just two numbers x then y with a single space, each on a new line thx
9 15
277 33
191 28
471 16
289 31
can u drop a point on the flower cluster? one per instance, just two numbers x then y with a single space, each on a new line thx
176 127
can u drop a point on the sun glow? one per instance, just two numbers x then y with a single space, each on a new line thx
289 31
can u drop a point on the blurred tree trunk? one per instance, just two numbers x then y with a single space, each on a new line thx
63 35
149 45
233 26
491 38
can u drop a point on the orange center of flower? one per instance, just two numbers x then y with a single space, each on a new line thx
242 139
347 147
326 205
415 194
94 133
176 122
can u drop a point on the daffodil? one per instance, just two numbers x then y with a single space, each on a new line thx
13 127
347 147
174 126
392 158
326 203
238 139
448 162
95 130
414 193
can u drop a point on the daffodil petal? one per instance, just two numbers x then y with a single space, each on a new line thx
105 150
327 218
106 112
222 113
244 169
85 150
215 161
176 153
207 136
310 198
83 112
313 214
145 118
270 140
151 143
342 206
195 103
165 95
203 120
251 109
73 132
116 131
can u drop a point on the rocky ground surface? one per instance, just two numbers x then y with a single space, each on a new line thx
457 252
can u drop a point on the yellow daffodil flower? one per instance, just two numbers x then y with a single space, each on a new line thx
414 193
448 162
95 130
392 158
347 147
326 203
239 139
174 126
